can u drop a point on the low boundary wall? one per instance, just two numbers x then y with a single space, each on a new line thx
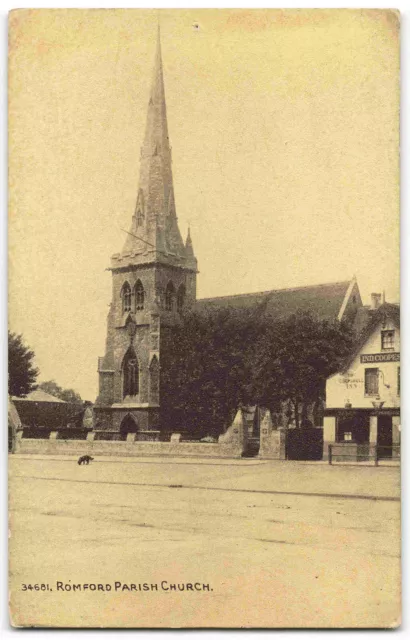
230 445
122 449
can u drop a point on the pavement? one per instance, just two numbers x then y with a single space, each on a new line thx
276 544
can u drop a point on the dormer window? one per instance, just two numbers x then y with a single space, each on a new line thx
139 296
126 297
388 340
140 218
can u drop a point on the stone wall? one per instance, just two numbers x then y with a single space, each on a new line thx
230 445
120 448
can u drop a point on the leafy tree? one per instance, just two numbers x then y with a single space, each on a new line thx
22 372
204 372
54 389
212 364
294 357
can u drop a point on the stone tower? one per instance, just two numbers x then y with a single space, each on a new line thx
154 281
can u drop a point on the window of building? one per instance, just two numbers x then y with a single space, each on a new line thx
181 298
371 382
353 429
387 340
140 218
130 374
139 296
126 297
169 297
398 381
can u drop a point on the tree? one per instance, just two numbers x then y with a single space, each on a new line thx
22 372
213 364
54 389
294 357
204 374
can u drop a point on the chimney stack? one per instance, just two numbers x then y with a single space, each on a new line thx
375 300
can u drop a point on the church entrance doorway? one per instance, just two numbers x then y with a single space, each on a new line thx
128 425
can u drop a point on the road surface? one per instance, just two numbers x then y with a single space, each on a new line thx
261 544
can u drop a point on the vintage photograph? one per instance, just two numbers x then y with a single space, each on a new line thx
204 318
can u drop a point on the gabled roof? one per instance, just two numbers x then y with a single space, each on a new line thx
49 415
40 396
375 317
323 300
386 310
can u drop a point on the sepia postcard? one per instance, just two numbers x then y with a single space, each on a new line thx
204 318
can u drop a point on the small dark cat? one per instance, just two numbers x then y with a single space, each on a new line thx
85 460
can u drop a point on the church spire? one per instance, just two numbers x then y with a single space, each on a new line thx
189 249
154 231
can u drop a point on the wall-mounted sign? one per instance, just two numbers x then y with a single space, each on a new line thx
350 382
380 357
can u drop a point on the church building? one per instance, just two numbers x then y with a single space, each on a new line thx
154 282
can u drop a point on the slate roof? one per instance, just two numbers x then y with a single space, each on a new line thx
41 409
323 300
374 317
386 310
38 395
364 317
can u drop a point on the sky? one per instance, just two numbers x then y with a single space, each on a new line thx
284 130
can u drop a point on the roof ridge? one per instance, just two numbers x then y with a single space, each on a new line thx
261 293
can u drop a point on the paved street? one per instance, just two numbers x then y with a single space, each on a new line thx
279 543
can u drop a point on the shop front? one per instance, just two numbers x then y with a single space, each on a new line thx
364 434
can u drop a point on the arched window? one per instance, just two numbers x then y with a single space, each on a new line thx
169 297
130 374
126 297
154 377
181 298
139 296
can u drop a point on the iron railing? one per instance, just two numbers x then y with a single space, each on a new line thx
364 453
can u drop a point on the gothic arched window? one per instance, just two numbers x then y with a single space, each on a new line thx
139 296
181 298
130 374
154 376
169 296
126 297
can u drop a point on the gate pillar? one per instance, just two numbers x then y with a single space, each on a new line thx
272 441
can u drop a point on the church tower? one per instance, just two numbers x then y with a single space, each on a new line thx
154 282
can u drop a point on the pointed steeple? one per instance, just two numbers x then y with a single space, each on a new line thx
154 232
189 249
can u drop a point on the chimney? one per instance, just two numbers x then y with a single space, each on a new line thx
375 300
